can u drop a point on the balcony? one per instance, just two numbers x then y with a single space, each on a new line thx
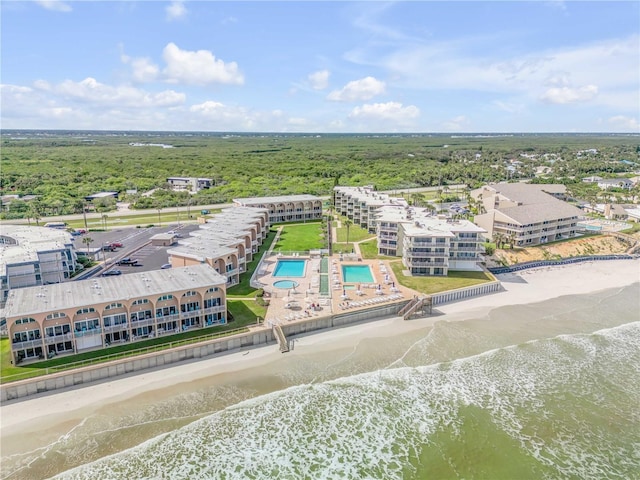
143 322
88 333
63 337
410 253
26 344
115 328
216 309
191 314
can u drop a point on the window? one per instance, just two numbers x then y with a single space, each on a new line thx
212 290
85 310
166 297
140 302
24 320
113 305
189 294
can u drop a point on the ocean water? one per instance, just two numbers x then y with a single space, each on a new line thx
548 390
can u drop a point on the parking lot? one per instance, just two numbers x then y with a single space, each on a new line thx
135 245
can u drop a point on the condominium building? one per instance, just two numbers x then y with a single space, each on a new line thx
32 256
97 313
428 244
286 208
226 242
360 204
189 184
526 214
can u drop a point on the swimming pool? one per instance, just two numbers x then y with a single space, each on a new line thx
285 284
357 273
289 268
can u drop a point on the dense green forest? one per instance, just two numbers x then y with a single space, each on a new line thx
61 168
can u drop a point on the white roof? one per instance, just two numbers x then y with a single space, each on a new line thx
83 293
29 241
279 199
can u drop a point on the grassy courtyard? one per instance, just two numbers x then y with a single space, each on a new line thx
300 238
430 285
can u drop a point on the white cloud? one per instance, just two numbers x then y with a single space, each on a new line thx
625 123
456 65
55 5
456 124
319 80
390 111
564 95
143 70
93 92
176 11
198 67
357 90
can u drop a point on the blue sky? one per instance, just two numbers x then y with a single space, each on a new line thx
544 66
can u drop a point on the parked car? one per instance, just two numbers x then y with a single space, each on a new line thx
108 273
165 266
127 261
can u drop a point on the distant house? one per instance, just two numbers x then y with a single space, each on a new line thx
189 184
607 183
591 179
99 195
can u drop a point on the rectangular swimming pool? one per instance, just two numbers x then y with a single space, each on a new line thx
289 268
357 273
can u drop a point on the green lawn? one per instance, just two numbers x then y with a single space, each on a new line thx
369 250
300 238
244 289
356 233
429 285
342 248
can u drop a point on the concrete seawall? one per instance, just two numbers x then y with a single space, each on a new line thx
83 376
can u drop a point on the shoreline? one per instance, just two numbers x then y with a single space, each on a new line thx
521 288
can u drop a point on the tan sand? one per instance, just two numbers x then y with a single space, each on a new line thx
530 286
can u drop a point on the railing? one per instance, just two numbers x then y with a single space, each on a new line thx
88 332
121 355
63 337
144 322
113 328
410 253
545 263
26 344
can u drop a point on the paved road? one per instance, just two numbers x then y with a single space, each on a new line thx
122 213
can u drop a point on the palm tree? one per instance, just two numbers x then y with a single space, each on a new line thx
348 223
104 220
87 241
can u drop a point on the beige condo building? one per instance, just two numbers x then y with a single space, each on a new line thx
528 214
91 314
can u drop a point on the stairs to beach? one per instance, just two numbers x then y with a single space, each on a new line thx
282 340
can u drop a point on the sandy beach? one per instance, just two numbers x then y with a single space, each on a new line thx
39 412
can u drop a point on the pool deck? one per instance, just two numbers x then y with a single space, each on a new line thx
291 305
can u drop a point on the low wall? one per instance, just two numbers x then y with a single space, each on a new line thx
550 263
85 375
466 292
